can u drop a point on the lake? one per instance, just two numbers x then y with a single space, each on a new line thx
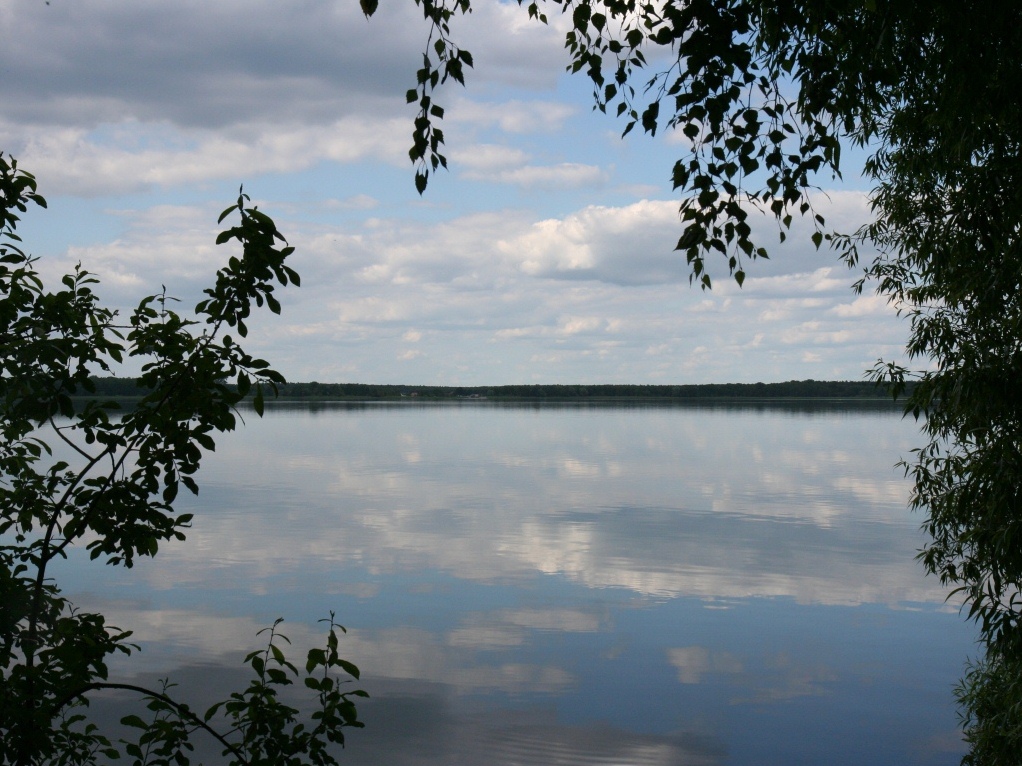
530 584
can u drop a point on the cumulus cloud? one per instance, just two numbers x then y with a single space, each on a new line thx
73 161
502 164
512 116
482 160
165 99
625 246
499 296
171 245
496 269
508 165
201 65
109 99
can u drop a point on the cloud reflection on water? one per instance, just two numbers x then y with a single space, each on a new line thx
670 586
766 510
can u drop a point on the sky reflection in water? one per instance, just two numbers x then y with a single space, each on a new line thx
571 585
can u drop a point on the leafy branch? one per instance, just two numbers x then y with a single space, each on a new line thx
121 489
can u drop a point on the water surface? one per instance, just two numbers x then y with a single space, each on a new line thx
570 585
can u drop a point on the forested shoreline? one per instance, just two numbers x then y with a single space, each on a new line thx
126 388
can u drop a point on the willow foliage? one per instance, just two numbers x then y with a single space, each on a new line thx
766 94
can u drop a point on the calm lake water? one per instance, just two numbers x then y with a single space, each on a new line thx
569 585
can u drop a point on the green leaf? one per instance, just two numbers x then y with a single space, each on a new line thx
349 668
170 492
226 213
316 658
277 653
580 16
134 722
649 118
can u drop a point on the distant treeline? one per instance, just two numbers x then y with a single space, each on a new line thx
793 389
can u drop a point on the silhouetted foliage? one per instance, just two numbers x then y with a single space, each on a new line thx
763 96
113 492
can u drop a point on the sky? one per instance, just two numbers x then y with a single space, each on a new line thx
543 255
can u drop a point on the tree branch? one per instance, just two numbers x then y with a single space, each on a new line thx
182 710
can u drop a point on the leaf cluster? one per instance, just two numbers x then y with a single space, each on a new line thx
95 476
762 94
947 207
442 60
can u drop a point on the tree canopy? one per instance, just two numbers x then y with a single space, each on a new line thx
766 94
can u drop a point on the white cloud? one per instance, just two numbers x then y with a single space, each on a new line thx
629 245
512 116
482 160
863 306
495 269
566 174
167 244
73 161
113 98
511 49
574 325
201 65
502 297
